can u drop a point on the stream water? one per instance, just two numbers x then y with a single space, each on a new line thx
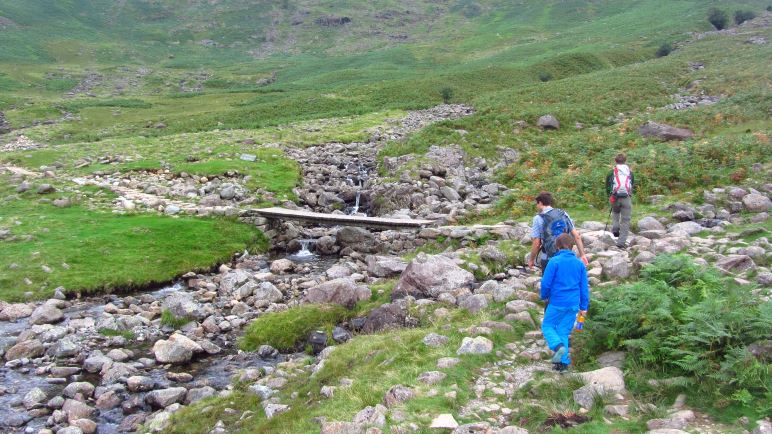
216 371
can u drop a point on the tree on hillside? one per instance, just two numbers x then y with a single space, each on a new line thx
718 18
743 16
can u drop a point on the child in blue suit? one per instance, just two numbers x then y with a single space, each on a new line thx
565 290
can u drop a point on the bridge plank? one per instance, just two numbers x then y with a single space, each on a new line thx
339 219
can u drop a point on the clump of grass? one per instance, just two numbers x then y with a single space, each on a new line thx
664 49
128 334
287 330
718 18
173 321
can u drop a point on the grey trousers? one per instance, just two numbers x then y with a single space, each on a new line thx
622 210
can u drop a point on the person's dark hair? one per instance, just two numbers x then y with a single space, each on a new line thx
620 159
544 198
564 242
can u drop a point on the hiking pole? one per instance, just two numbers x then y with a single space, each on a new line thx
608 219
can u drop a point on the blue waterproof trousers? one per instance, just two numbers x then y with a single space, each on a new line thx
557 326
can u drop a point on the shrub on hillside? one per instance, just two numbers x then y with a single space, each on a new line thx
743 16
545 76
684 319
664 49
447 94
718 18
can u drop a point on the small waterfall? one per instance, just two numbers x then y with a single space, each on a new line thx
355 208
361 176
304 251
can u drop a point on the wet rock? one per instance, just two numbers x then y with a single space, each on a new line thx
81 388
132 422
267 352
326 245
232 280
17 420
267 291
199 393
183 305
46 314
664 131
95 362
163 398
282 266
140 383
64 348
180 377
478 345
86 426
177 349
25 349
108 400
77 410
14 311
113 372
34 398
344 292
429 276
397 395
353 236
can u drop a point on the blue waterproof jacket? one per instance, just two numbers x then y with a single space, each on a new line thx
564 282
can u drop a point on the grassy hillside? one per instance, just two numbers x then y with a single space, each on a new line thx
166 83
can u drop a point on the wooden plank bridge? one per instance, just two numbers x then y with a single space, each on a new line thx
338 219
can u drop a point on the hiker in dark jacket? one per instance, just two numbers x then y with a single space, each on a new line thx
620 184
565 289
547 226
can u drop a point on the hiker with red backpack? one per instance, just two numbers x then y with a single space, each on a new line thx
549 224
620 184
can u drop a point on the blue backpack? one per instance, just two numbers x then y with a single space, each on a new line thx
556 222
